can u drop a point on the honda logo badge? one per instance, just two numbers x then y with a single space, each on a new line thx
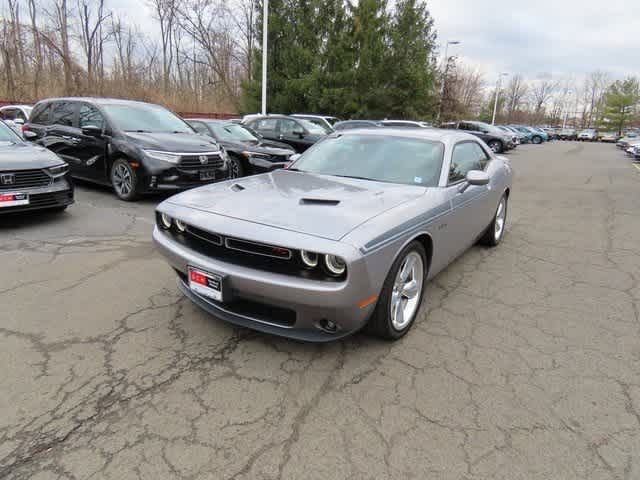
203 159
7 179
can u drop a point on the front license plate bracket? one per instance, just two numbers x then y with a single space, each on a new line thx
209 284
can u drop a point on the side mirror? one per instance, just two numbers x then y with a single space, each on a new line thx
299 133
92 131
294 157
477 177
29 135
18 121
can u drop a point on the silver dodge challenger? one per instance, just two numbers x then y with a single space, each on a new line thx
344 238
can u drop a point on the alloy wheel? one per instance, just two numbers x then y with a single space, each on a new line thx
407 290
501 215
122 180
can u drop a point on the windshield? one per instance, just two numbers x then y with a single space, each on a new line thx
145 118
379 158
7 135
320 123
232 132
312 127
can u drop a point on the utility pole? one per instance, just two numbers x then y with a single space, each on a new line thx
495 105
265 22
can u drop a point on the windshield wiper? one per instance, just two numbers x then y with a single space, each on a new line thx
355 177
138 131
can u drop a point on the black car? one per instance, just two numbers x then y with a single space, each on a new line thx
497 140
31 177
248 152
353 124
296 132
133 146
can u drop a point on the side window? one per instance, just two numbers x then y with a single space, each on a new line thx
288 126
200 127
40 114
266 124
464 159
62 113
90 116
11 114
483 158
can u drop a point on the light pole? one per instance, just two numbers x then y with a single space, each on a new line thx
566 110
495 105
265 21
444 72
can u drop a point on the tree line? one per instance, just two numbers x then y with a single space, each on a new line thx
354 59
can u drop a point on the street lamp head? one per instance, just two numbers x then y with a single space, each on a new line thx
454 42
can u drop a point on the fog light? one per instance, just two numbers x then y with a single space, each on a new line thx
166 221
328 325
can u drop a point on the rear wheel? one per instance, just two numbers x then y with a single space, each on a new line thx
537 140
496 146
124 180
401 295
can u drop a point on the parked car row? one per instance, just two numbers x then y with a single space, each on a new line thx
630 144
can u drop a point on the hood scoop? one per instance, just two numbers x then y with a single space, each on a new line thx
236 187
319 201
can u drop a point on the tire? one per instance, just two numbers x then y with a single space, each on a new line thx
491 236
496 146
124 180
382 324
236 168
536 140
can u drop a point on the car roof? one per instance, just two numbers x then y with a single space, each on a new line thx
431 134
311 115
209 120
97 100
15 106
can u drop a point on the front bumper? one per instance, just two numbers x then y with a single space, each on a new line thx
57 195
309 302
174 179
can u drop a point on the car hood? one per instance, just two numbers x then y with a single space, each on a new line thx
23 156
256 147
174 142
319 205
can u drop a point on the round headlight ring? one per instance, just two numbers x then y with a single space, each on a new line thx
166 221
335 265
309 259
180 225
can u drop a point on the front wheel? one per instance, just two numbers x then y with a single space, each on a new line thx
495 231
236 169
496 146
124 180
537 140
401 295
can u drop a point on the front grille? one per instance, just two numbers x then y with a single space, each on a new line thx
213 161
21 179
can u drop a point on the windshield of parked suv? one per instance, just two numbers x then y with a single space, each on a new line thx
232 132
7 135
311 127
320 123
145 118
380 158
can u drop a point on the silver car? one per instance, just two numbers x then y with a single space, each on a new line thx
346 237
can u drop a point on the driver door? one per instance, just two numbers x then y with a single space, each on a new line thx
468 202
91 150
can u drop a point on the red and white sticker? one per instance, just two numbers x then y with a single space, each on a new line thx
205 284
13 199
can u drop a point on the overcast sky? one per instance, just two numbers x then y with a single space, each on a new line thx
538 37
533 37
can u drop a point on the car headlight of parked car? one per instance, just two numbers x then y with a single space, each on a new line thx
164 156
58 170
332 264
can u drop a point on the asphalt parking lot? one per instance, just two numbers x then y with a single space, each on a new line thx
525 363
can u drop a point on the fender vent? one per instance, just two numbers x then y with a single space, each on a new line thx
319 201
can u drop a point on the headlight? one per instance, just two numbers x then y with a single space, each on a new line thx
180 225
335 265
58 170
164 156
310 259
165 221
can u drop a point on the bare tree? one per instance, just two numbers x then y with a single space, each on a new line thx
165 11
93 36
515 93
541 92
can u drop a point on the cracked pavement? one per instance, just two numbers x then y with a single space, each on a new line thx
524 363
